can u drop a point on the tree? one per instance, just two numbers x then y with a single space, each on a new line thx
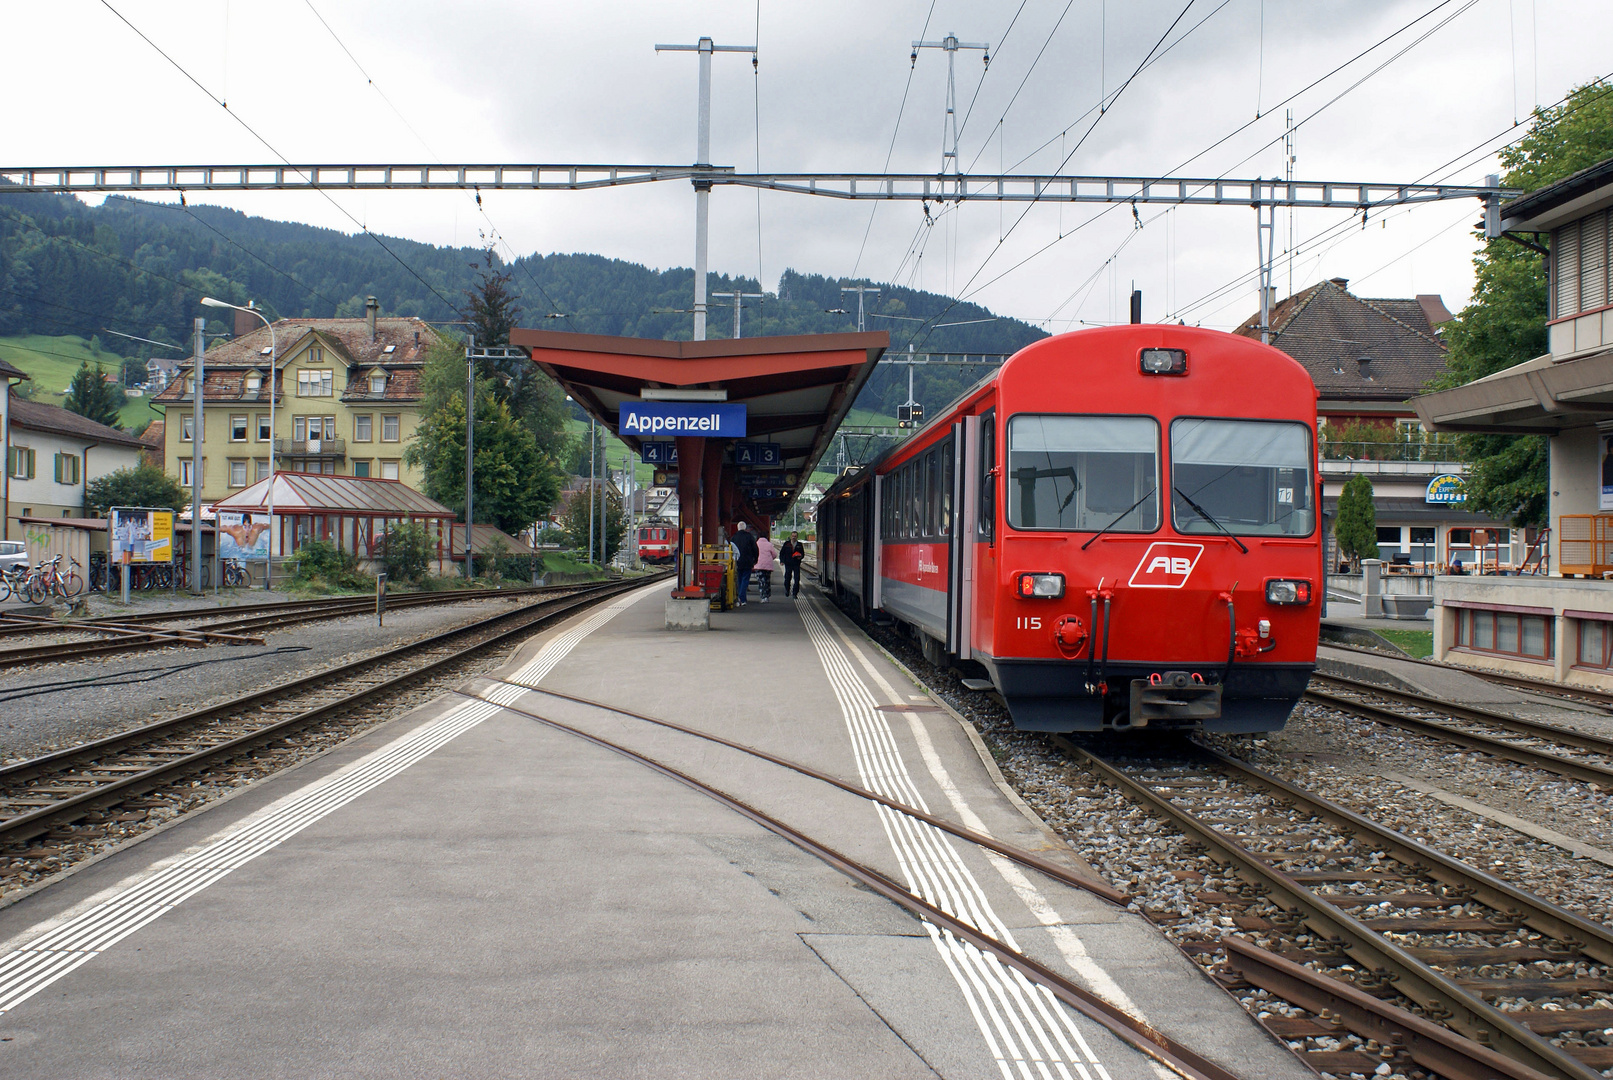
515 483
574 520
404 551
1505 324
491 308
1357 526
92 397
143 485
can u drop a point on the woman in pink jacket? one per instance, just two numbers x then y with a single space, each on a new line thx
766 563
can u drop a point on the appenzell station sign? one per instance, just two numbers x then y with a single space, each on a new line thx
669 419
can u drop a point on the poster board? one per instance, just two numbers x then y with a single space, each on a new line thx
243 536
142 535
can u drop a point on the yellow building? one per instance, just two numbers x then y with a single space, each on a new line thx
348 402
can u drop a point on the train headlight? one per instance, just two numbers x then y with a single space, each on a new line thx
1288 591
1164 362
1040 586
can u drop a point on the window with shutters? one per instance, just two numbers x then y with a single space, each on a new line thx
20 462
238 428
389 470
1580 256
67 468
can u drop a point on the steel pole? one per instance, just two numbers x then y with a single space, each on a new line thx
274 386
593 472
198 433
470 455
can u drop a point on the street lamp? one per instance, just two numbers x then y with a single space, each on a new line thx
268 558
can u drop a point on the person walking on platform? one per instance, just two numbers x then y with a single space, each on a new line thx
766 562
744 558
791 555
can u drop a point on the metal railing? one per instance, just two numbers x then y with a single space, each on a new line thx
1585 544
336 447
1431 448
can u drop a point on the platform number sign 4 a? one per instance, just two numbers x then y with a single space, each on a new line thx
1166 566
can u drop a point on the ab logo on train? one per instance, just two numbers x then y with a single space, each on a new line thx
1166 566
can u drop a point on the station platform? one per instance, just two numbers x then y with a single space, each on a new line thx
467 892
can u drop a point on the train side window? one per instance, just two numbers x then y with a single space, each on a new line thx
912 490
932 492
988 485
944 526
918 496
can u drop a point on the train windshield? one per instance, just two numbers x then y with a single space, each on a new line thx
1248 477
1083 473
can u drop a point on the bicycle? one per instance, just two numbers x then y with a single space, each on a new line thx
14 580
235 574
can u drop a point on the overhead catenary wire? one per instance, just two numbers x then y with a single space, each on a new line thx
895 130
271 148
1446 168
476 198
1224 139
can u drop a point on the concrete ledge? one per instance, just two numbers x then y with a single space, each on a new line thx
688 613
1406 606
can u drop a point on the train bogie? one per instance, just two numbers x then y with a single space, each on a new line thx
1116 528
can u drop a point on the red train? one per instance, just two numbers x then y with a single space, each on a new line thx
1024 530
657 543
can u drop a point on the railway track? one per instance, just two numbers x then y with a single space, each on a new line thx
234 626
1563 751
1385 921
55 806
1581 694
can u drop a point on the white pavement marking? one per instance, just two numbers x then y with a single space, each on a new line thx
57 946
1027 1031
1069 943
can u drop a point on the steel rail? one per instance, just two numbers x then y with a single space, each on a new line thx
16 622
1009 851
135 639
1134 1032
25 826
1521 755
1468 1013
1502 678
1436 1049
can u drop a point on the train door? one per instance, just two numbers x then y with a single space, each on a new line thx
873 555
960 546
984 602
865 535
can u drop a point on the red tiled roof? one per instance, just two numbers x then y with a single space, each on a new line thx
37 416
1330 331
227 365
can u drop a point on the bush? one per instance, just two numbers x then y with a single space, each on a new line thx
321 561
404 552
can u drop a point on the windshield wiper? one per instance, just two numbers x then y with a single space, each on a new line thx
1205 514
1116 519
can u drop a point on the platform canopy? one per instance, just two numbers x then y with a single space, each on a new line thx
795 389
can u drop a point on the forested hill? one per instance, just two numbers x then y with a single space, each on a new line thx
140 268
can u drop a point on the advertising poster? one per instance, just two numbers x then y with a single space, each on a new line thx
146 536
1606 501
243 536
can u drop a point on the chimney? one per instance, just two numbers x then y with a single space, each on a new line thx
371 307
244 324
1341 282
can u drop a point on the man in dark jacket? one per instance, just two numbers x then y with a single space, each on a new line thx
791 555
744 559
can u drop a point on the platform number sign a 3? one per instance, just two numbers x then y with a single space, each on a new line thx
1166 566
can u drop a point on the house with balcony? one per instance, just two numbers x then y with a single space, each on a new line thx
1369 356
347 401
1557 625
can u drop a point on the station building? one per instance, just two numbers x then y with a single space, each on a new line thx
1558 625
347 402
1368 358
52 455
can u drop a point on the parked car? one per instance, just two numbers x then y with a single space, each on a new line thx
13 553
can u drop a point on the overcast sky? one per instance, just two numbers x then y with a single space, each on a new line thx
580 82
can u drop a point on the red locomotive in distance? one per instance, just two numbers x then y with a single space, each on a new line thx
1120 526
657 543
